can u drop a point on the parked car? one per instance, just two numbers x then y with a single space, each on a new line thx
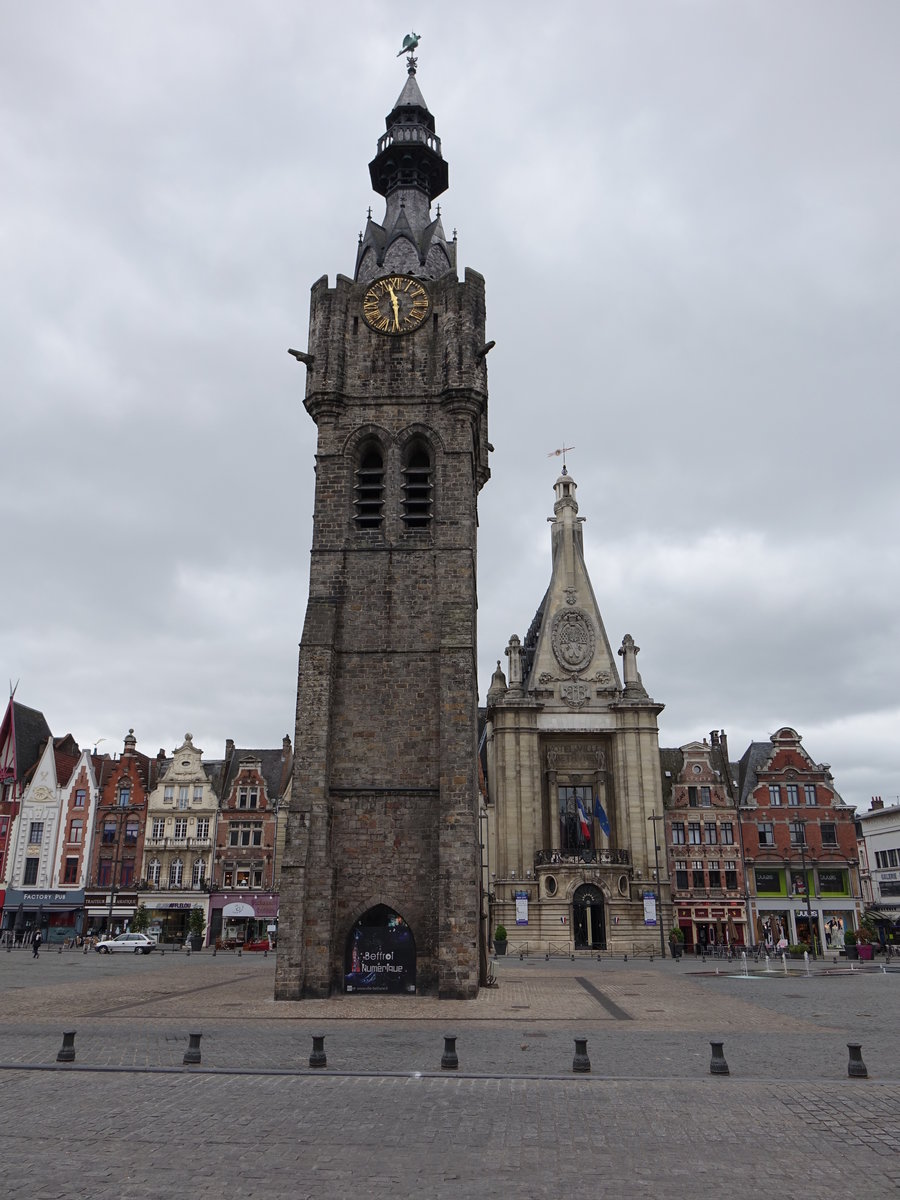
137 943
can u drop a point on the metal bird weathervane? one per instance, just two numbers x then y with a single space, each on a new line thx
409 44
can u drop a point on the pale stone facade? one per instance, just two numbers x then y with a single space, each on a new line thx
179 839
573 773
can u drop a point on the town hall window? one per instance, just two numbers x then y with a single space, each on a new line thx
575 818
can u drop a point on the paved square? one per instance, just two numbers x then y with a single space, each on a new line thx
129 1120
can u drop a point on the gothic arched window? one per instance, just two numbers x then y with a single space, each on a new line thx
369 489
417 486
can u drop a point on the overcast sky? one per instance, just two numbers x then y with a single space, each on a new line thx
686 212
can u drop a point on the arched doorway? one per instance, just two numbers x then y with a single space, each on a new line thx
380 955
588 918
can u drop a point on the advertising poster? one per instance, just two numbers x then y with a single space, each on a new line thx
381 954
649 908
521 908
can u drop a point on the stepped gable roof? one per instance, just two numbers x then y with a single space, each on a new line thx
753 760
671 762
66 752
275 766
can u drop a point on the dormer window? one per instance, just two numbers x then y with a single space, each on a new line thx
417 487
369 489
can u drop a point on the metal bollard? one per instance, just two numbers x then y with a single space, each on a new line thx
717 1064
581 1064
67 1050
59 951
192 1054
449 1060
317 1058
214 952
856 1068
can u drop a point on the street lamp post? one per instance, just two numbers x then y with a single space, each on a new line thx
654 817
812 940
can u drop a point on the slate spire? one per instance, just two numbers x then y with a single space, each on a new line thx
409 171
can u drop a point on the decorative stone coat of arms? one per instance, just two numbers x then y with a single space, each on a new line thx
572 638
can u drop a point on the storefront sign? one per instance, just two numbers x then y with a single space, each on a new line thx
238 909
32 899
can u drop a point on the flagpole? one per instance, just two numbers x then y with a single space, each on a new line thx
654 817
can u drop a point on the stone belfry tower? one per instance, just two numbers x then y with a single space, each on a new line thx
380 873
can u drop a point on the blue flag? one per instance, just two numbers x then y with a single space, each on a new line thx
602 818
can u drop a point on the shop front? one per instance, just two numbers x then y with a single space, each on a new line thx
169 916
58 914
710 927
236 919
806 908
108 913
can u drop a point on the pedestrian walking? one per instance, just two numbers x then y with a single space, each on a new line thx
36 943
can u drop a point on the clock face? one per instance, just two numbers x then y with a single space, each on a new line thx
395 304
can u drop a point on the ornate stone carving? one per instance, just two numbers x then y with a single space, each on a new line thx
571 596
572 638
575 694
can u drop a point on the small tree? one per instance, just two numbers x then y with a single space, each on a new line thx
196 922
140 922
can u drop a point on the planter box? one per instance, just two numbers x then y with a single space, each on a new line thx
865 950
500 947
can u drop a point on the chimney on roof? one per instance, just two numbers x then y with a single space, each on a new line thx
713 738
161 756
285 745
877 803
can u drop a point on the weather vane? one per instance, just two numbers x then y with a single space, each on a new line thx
409 44
561 451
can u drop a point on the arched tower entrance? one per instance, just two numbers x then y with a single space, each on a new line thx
589 918
380 955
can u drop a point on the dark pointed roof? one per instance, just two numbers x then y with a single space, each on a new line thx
29 732
409 171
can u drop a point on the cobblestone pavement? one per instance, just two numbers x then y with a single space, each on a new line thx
254 1119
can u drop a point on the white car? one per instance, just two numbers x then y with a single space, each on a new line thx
137 943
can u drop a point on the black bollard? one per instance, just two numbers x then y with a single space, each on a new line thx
449 1060
265 954
214 952
317 1058
67 1050
717 1064
856 1068
192 1054
625 959
59 951
581 1064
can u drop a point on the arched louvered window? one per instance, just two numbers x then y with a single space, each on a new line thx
418 488
369 489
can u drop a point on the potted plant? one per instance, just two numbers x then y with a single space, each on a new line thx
676 941
864 947
500 939
196 928
850 943
798 949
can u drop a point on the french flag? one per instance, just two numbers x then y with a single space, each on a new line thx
583 821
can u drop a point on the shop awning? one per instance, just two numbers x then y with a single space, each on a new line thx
238 908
